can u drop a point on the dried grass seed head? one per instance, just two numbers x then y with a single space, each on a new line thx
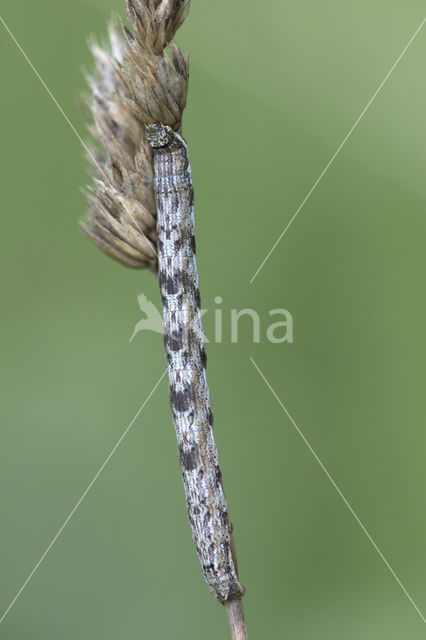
122 212
154 73
139 79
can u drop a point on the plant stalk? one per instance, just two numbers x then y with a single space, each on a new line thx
237 624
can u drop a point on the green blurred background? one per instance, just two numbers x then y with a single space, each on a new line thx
275 87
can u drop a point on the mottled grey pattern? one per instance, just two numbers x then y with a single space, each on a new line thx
186 358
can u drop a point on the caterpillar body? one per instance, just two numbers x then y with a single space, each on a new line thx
186 360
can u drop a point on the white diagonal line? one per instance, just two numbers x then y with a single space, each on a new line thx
338 490
80 139
345 139
80 500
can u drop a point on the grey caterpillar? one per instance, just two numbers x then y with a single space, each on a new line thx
186 360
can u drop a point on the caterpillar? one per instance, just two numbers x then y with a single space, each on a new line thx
186 361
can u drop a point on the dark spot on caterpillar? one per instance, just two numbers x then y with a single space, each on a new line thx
189 459
197 298
179 282
193 244
191 200
162 278
174 341
164 301
224 520
210 417
201 473
178 245
218 475
207 517
160 246
181 400
168 284
208 567
203 357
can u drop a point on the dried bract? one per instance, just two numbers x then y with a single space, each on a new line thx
154 87
156 21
